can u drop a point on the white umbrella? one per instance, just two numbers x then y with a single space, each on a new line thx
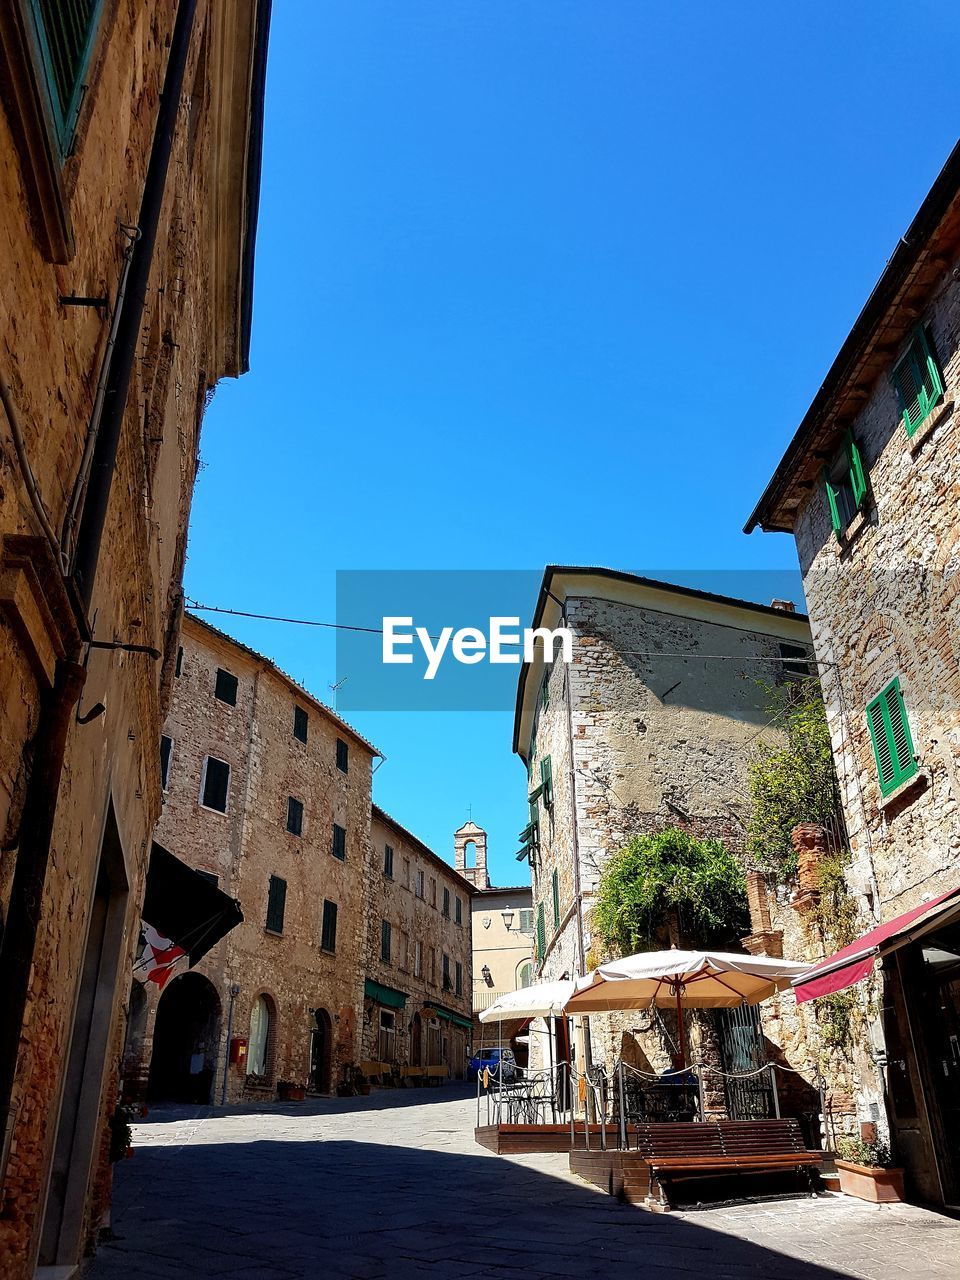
684 979
540 1001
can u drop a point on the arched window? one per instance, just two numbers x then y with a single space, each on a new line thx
258 1051
525 975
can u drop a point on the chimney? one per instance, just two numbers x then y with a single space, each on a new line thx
785 606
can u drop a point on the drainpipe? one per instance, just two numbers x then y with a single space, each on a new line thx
56 706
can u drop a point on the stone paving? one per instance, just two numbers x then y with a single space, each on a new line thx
394 1185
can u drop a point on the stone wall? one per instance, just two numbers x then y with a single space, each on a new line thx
51 356
423 1033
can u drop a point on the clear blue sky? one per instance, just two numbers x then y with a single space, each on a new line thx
546 280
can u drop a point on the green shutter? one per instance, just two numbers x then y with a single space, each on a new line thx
65 31
890 735
541 933
546 780
556 899
858 480
832 503
917 380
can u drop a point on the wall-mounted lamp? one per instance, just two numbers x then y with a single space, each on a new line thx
487 975
507 919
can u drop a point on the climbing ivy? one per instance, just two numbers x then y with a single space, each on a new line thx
669 872
790 782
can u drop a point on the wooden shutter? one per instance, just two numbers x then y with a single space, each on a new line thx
833 503
65 32
891 738
276 904
858 479
546 780
385 940
339 849
556 899
541 933
917 380
328 936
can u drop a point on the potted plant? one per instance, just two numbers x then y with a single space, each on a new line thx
290 1091
866 1171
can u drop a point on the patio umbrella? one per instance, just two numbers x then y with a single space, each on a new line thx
684 980
540 1001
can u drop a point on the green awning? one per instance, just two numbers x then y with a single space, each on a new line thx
389 996
457 1019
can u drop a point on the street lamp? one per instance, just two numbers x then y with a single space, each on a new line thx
487 975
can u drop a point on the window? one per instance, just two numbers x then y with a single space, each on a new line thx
226 687
65 35
446 902
215 785
339 847
294 816
458 979
417 958
796 664
258 1052
433 891
300 724
328 930
845 485
433 966
179 666
556 899
388 1035
388 861
546 781
406 873
917 380
342 755
525 977
541 933
419 882
166 750
385 941
446 972
526 920
458 911
890 734
545 689
276 903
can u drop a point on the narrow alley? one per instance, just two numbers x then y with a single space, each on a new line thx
394 1185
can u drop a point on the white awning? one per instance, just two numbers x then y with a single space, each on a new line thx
539 1001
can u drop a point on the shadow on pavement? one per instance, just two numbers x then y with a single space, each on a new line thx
376 1100
306 1208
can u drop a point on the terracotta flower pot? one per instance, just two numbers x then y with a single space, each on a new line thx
870 1182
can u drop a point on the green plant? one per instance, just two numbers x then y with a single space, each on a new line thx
793 781
836 911
670 872
874 1155
835 1016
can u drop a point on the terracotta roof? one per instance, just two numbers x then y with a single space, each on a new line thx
289 680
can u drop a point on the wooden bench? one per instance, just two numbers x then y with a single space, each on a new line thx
687 1151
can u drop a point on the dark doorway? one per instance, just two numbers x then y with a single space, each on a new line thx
72 1167
416 1041
938 972
186 1038
321 1053
749 1091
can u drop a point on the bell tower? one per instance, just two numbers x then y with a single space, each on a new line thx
472 868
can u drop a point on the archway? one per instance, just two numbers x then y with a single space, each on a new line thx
186 1039
321 1053
263 1037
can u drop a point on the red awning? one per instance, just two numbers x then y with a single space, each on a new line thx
854 962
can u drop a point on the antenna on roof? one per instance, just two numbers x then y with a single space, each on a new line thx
333 689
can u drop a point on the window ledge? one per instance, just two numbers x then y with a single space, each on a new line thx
938 414
907 791
324 951
272 933
853 532
221 813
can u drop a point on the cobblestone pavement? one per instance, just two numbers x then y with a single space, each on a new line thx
394 1185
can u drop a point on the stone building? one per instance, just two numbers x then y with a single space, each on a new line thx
129 170
868 487
650 726
267 790
502 933
418 975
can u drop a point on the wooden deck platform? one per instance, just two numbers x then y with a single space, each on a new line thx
521 1139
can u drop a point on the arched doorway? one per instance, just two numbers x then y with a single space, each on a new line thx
321 1053
186 1039
416 1041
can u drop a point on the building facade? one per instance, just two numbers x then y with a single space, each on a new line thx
502 933
650 726
129 164
868 488
267 790
418 975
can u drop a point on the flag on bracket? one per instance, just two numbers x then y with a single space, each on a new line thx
158 957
